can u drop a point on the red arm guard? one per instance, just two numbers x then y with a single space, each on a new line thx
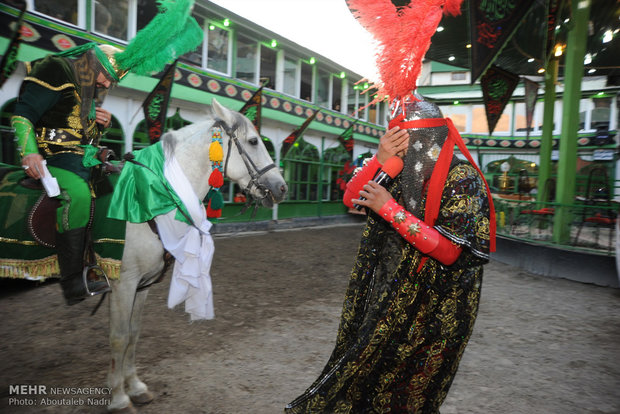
357 182
419 234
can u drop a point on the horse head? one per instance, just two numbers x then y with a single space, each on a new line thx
246 159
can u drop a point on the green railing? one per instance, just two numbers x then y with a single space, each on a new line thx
592 222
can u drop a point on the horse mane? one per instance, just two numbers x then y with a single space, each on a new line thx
169 143
171 140
239 119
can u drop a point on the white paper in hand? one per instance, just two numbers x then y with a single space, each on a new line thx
49 182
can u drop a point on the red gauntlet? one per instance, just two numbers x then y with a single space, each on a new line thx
357 182
419 234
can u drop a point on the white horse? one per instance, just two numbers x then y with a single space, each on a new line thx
249 165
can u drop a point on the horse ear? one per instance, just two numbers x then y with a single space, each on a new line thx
222 112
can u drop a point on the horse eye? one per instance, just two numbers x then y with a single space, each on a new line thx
253 141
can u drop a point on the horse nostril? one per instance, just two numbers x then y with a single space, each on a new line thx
283 189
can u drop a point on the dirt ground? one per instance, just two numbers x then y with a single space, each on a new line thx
540 345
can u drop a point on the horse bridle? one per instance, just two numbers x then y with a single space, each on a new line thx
253 171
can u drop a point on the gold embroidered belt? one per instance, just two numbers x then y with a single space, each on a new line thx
59 136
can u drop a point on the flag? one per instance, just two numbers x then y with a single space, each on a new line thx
9 59
531 94
252 108
346 139
155 105
497 88
295 135
492 24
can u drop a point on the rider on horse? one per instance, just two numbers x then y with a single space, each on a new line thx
58 121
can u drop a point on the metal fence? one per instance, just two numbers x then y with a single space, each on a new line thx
591 223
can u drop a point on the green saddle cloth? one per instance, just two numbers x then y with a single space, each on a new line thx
22 257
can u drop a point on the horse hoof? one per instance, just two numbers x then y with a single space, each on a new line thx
141 399
130 409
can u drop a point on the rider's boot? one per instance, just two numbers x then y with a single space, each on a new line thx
76 287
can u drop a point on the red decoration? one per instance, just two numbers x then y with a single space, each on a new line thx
213 213
216 179
403 35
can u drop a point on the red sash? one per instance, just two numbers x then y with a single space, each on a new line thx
440 171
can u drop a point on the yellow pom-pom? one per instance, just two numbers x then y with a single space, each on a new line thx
216 153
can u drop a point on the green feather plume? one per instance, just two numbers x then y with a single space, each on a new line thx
171 33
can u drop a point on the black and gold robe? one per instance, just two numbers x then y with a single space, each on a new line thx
404 328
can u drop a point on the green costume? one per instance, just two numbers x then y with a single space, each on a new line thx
54 99
55 117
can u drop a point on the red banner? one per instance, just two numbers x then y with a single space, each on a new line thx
155 105
252 108
346 139
492 24
497 88
295 135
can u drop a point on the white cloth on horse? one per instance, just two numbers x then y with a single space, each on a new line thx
192 249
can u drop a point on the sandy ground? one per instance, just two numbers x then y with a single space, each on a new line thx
540 345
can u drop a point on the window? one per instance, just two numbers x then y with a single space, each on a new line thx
65 10
290 76
336 93
217 49
479 120
362 102
246 59
195 56
460 114
480 124
372 110
521 119
103 19
111 17
601 114
333 163
268 59
306 81
382 118
147 10
351 99
301 171
322 89
458 76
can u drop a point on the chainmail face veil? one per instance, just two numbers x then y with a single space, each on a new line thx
86 68
425 144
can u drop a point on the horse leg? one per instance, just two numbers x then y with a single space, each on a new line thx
142 260
137 390
122 301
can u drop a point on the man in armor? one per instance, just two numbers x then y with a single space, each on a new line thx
58 122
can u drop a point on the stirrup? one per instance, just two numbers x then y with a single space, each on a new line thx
102 279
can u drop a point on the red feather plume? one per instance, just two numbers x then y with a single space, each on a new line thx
403 36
